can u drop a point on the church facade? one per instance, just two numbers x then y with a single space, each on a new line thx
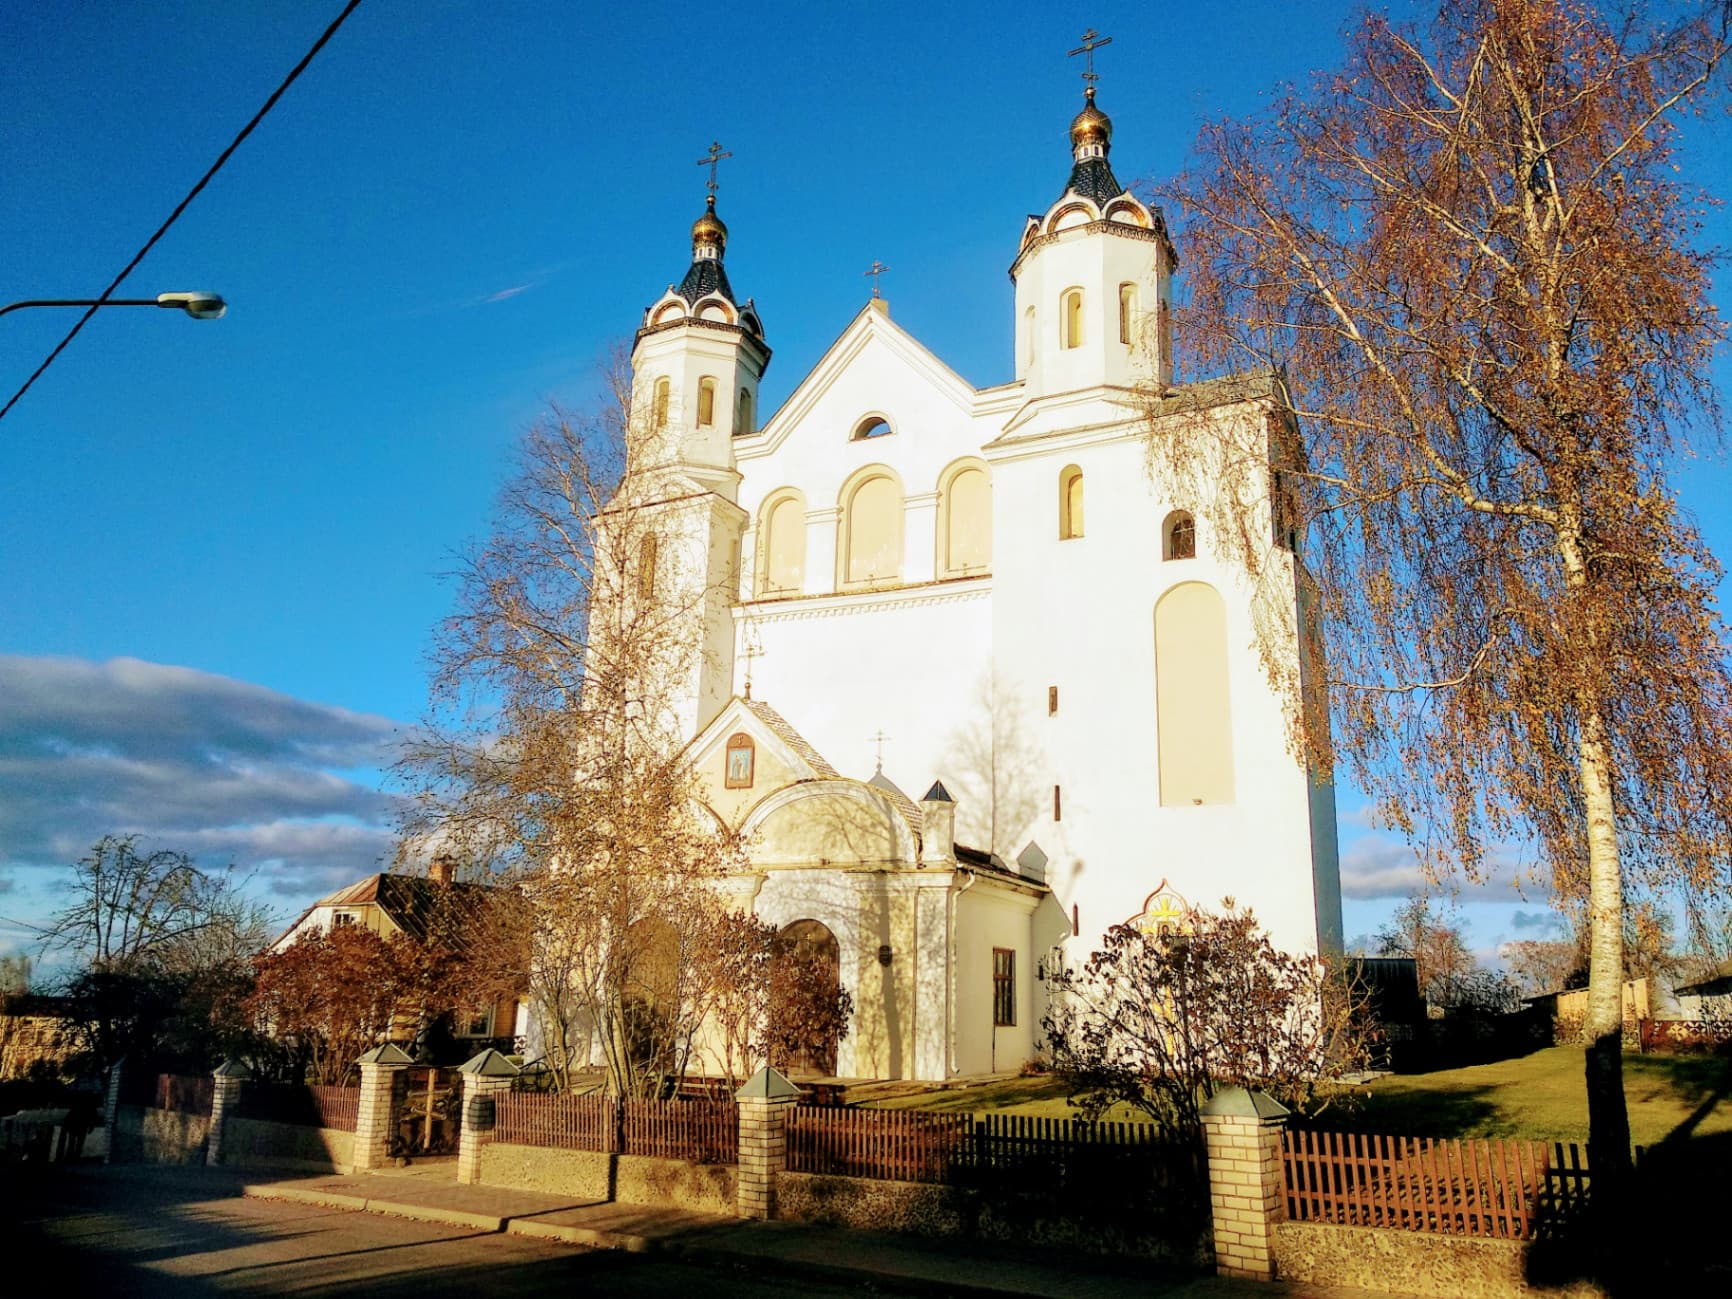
1052 653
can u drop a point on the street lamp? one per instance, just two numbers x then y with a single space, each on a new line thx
200 306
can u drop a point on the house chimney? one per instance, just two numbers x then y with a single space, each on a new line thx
442 869
938 826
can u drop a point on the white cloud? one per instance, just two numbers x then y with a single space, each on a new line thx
222 769
1377 866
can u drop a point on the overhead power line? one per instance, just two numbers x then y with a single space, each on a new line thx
187 201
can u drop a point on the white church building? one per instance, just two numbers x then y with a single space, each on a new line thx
1077 730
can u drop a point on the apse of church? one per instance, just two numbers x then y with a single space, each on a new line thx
911 558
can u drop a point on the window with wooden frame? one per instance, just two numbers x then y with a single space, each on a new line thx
1003 987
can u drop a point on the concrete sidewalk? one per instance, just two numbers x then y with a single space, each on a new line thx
901 1264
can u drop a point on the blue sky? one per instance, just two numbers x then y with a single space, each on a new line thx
221 549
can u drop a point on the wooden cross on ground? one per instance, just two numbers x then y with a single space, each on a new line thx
1091 41
878 268
711 160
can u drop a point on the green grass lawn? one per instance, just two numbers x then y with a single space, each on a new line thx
1539 1096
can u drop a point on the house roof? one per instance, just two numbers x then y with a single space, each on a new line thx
784 731
411 901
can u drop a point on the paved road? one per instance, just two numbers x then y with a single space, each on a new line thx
158 1233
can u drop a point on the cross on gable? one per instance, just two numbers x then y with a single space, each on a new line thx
878 268
712 160
880 740
1091 41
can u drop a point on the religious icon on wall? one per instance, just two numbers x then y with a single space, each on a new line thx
742 756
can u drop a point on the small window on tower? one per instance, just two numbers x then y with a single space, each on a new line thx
743 424
1070 503
1127 312
742 761
1051 700
1071 317
706 402
659 406
1181 536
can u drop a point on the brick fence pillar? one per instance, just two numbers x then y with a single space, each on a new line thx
764 1103
1247 1185
111 1108
485 1078
230 1077
376 1111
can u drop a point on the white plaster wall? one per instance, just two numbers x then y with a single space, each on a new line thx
1097 263
1079 614
991 915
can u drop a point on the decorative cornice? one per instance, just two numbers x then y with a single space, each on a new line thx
1103 226
802 608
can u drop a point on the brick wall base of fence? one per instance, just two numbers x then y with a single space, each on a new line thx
1412 1262
1247 1188
763 1154
471 1137
225 1100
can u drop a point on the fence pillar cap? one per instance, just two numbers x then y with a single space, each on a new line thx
231 1069
388 1054
489 1064
767 1085
1238 1103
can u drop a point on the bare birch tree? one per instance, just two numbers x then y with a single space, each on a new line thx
1471 261
555 753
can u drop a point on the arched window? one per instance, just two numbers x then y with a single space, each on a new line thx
805 954
706 402
1028 338
659 405
872 522
1070 503
1179 536
965 527
646 568
1127 312
1071 318
1193 715
873 426
743 423
782 544
742 761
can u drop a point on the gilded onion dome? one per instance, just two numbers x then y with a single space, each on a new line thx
1091 127
709 234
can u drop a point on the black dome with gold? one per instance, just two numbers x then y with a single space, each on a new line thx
1091 134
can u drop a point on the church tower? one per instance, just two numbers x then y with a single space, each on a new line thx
1092 279
696 364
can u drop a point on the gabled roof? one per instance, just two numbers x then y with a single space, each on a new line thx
411 901
784 731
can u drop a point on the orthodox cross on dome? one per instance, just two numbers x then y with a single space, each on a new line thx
878 268
712 159
1091 41
880 740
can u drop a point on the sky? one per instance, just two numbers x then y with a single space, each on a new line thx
223 545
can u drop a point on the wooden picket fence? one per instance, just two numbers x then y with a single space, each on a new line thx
1505 1189
302 1105
701 1131
1070 1158
902 1145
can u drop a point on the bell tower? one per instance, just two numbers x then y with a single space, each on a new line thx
696 364
1092 274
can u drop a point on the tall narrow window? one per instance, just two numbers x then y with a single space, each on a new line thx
1003 987
659 405
706 402
873 531
646 569
1070 503
1127 312
743 424
1051 700
1057 804
782 543
965 521
1028 338
1179 540
1071 314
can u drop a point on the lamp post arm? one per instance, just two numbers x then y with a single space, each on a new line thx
85 302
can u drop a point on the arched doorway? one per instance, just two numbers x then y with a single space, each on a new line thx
808 1009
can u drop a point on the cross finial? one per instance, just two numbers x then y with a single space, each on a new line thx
1091 41
711 160
878 268
752 649
880 740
